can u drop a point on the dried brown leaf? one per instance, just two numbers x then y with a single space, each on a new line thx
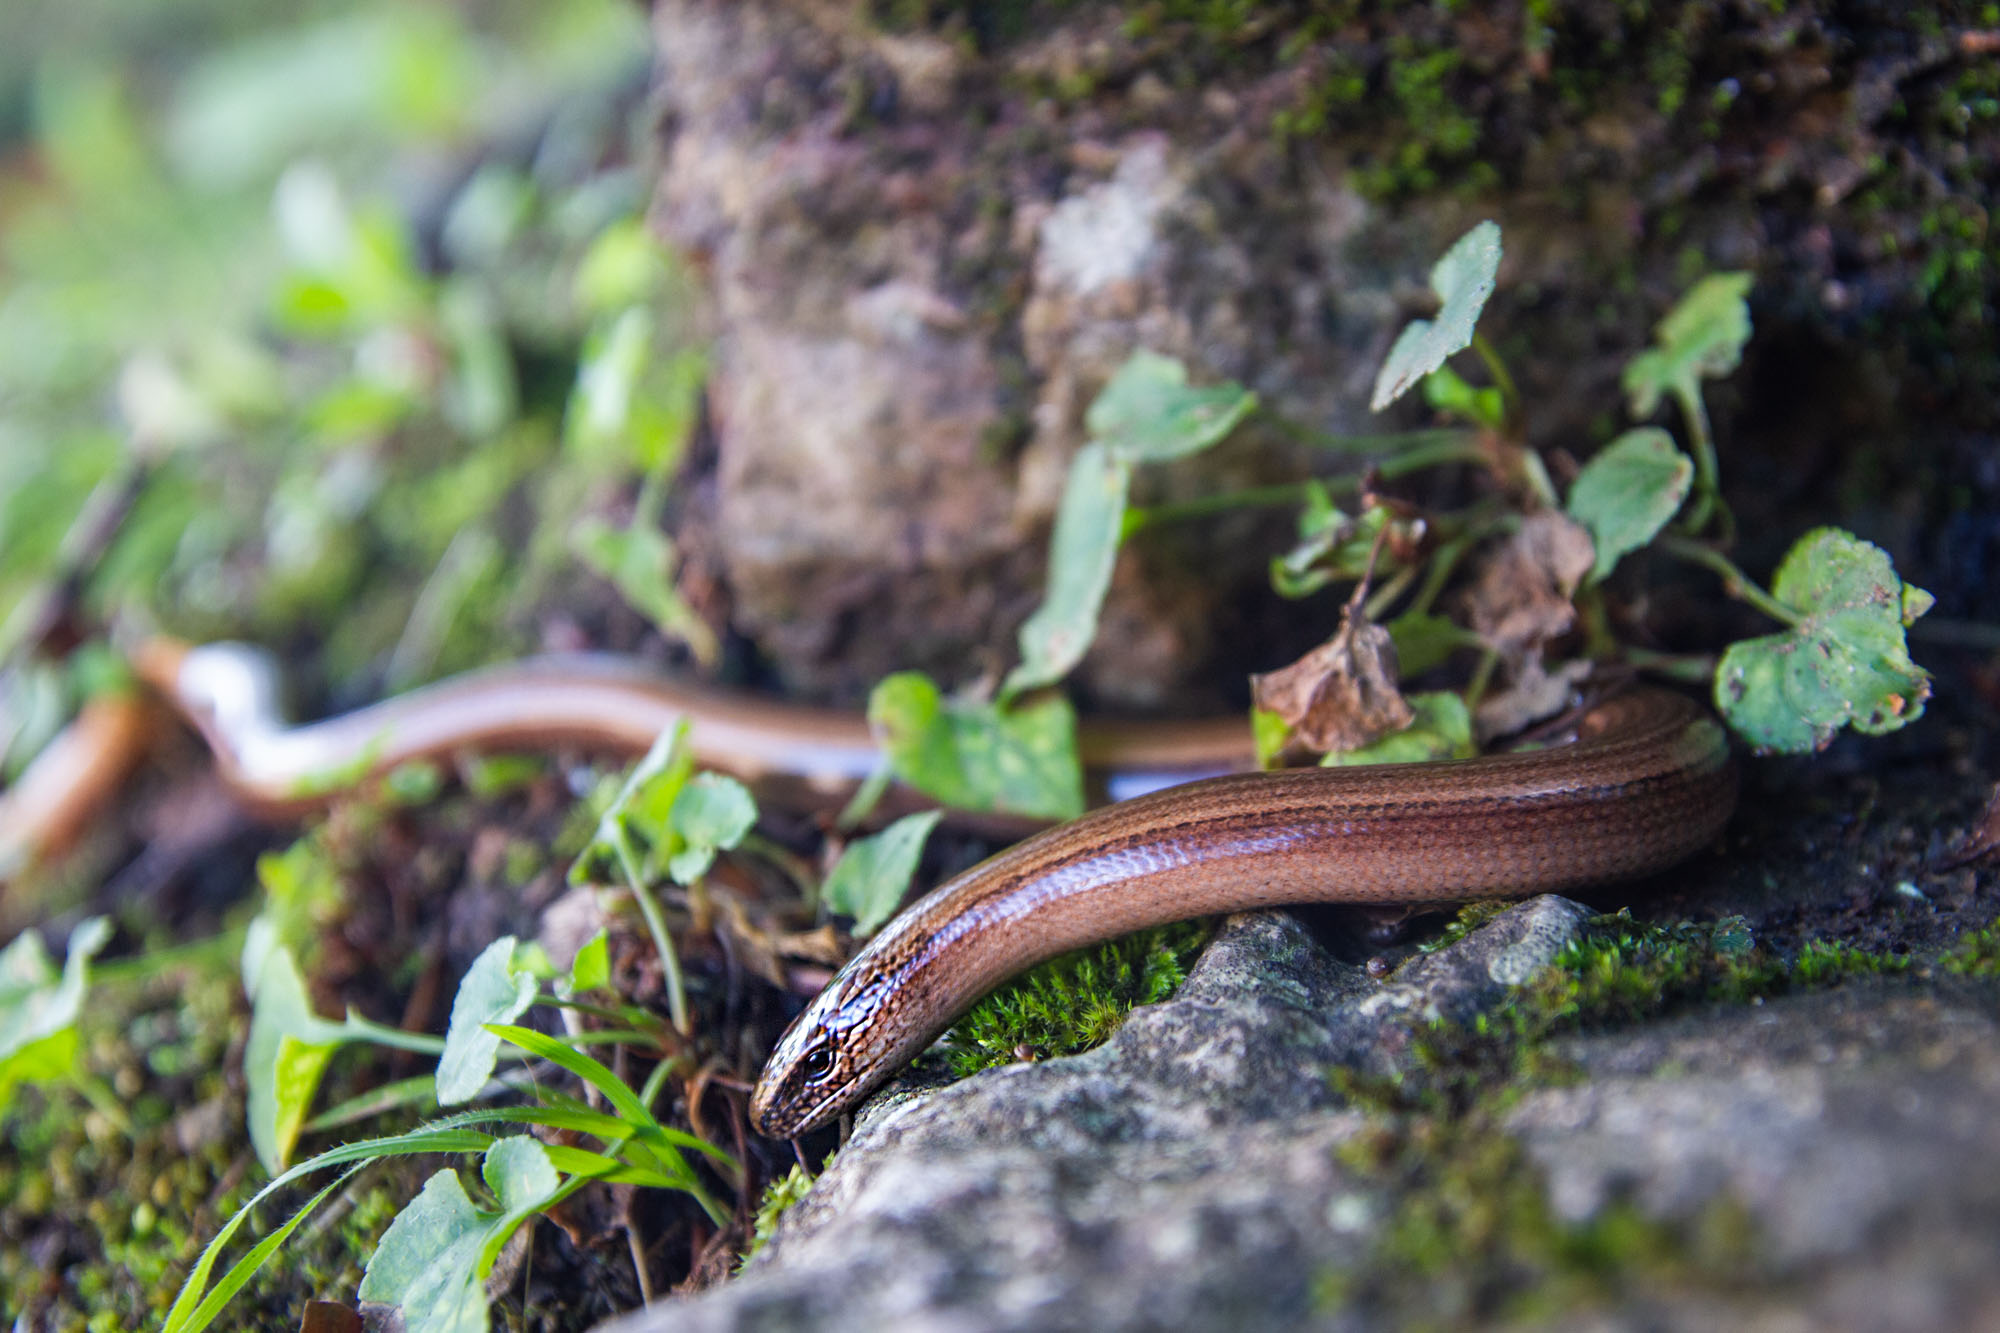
1533 693
1342 695
1521 598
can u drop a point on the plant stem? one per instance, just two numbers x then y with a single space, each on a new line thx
1437 449
1734 581
1498 370
1386 595
792 866
1251 497
1482 678
423 1043
1442 562
650 1091
869 794
613 1037
1387 442
1689 668
1708 482
1455 447
656 922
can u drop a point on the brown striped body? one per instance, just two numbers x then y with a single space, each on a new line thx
1647 782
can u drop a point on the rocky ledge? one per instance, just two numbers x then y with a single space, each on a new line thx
1281 1146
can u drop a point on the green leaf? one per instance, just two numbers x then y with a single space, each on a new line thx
302 893
1442 729
1088 525
1700 338
591 969
633 404
353 270
287 1050
425 1260
189 1317
415 782
482 396
1147 412
1424 641
433 1260
1845 664
874 873
192 1312
977 756
1271 734
1446 390
711 814
492 992
1463 280
39 1006
1627 492
639 561
1331 546
642 805
625 1101
624 266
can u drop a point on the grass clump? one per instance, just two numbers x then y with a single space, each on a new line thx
1075 1002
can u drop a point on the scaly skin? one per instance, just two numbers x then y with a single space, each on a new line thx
1647 782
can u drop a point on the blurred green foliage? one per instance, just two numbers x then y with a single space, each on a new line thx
320 286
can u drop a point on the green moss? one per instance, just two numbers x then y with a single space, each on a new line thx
779 1195
1469 1233
1975 955
1616 972
1075 1002
1469 918
97 1227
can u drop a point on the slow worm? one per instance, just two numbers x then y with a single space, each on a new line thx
229 692
793 755
1647 782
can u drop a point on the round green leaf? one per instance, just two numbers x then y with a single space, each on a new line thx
978 756
1627 493
1147 412
1441 729
1845 664
492 992
1701 338
874 873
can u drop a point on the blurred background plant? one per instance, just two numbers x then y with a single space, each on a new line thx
335 327
334 308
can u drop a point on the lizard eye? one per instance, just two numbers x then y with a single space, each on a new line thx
817 1064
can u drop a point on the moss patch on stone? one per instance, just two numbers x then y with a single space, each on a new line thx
1468 1232
1977 954
1462 1225
1075 1002
779 1194
97 1227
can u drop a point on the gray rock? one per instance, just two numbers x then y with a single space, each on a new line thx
1200 1171
1857 1127
1183 1175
